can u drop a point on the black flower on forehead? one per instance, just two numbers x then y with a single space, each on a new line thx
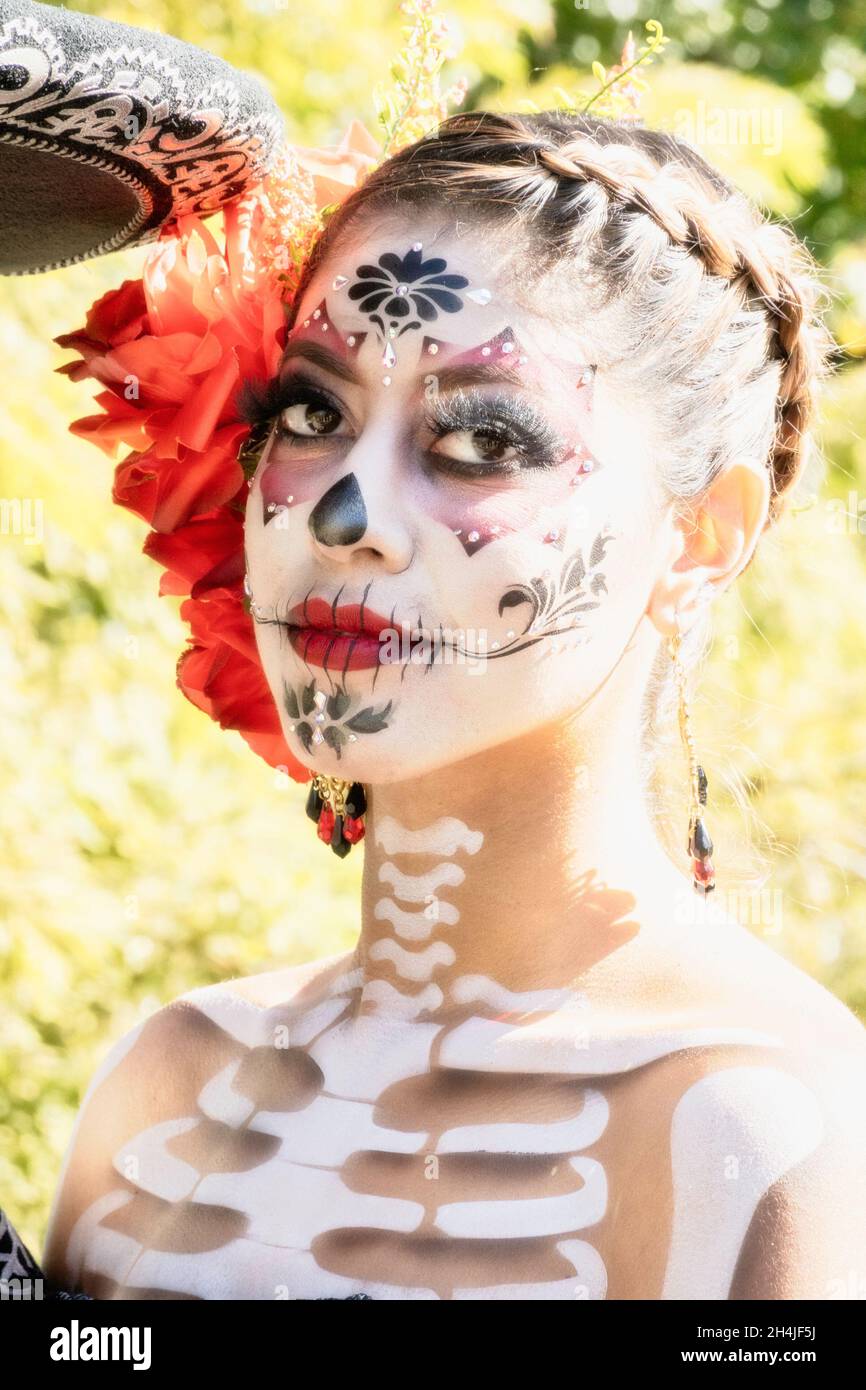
405 290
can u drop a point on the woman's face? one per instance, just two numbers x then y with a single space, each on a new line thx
451 533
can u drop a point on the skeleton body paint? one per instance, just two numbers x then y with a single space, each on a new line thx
430 1134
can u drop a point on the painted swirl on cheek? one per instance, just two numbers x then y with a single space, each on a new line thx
553 603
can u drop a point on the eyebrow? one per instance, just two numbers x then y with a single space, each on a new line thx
469 373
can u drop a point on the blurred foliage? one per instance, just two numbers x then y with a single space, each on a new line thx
144 850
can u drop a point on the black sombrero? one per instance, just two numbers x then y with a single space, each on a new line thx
109 132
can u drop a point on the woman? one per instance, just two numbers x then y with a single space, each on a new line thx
547 381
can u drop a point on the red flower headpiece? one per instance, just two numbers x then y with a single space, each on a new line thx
172 350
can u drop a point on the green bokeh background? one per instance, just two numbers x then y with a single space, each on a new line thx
144 851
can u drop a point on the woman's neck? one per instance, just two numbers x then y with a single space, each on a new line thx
533 865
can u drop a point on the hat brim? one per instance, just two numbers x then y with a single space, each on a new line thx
108 133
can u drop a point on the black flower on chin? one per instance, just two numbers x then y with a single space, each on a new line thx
331 717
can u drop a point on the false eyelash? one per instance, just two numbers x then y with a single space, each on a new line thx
504 417
256 401
259 402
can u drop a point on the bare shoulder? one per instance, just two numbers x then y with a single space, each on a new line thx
766 1139
804 1072
145 1076
735 972
153 1076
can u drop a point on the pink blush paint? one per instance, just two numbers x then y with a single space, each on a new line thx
543 511
281 486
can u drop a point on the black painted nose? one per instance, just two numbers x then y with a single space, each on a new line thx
339 517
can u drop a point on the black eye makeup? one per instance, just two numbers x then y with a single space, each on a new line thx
494 424
503 434
265 403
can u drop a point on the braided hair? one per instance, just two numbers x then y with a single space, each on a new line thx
703 307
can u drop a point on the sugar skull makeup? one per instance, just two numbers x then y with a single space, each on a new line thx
438 499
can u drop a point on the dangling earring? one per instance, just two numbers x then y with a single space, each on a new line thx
699 845
338 808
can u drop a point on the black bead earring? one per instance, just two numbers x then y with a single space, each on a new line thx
699 845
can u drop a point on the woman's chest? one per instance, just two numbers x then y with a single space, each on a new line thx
424 1164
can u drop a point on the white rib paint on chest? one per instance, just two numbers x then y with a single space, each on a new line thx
452 1157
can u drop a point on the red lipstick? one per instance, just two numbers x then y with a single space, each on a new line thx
346 637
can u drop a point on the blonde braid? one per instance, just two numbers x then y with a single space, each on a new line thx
737 244
690 201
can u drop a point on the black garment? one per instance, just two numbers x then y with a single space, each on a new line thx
18 1269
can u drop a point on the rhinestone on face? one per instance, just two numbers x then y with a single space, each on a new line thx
522 358
317 313
389 356
586 377
353 738
485 352
339 281
324 328
290 497
318 736
417 245
510 632
479 296
507 347
306 323
247 586
272 506
386 381
552 536
473 536
433 348
459 531
291 728
402 291
320 699
351 340
319 718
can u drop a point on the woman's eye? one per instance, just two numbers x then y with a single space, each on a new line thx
479 446
308 419
477 437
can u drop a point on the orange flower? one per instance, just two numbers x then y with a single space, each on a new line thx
171 351
336 171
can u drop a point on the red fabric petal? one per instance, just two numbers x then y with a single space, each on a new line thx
170 351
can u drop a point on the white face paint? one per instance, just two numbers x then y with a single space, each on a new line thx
421 1138
494 539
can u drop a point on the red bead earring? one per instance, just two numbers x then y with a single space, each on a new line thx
338 809
699 845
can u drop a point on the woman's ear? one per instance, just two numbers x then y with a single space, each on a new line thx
714 540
